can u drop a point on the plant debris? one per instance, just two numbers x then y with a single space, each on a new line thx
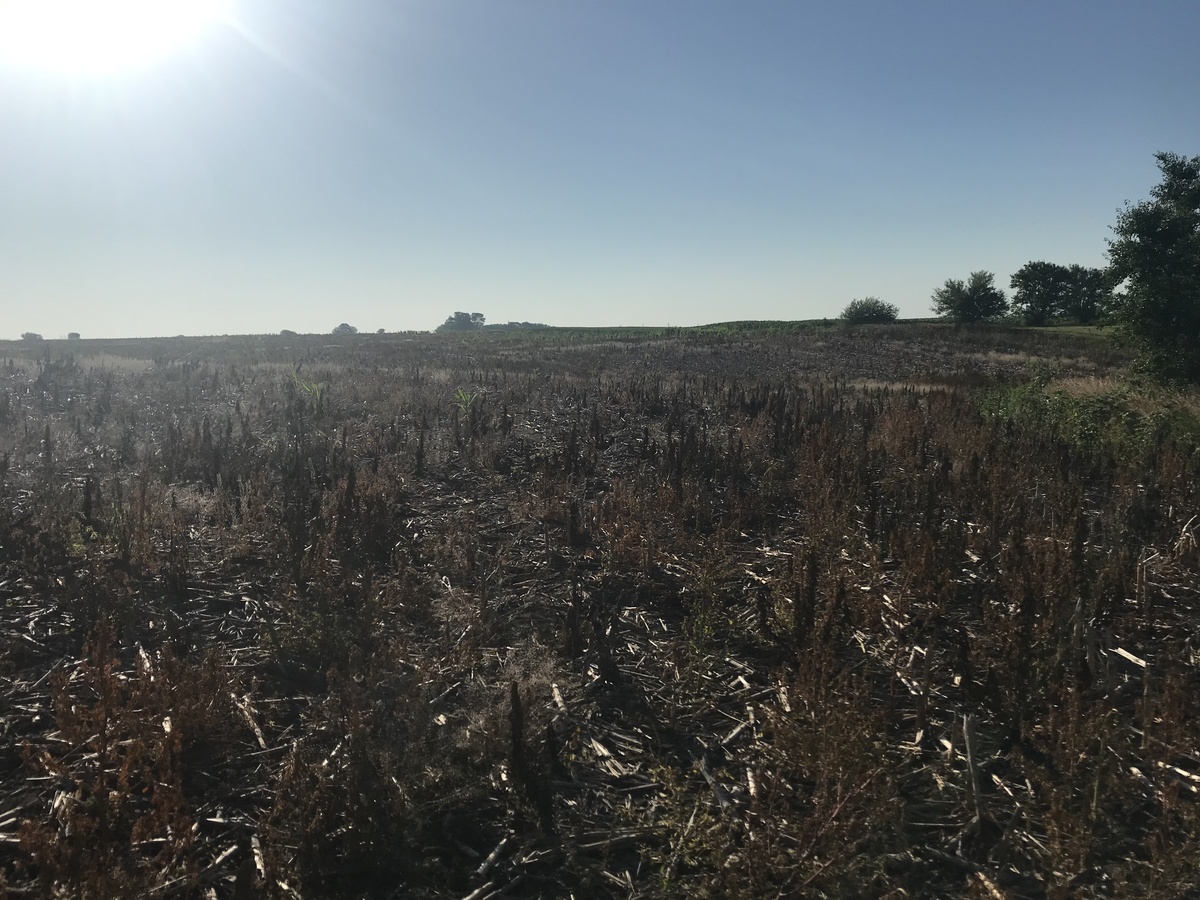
603 615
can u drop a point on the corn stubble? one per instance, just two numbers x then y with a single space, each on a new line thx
627 615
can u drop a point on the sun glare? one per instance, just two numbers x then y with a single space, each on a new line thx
100 36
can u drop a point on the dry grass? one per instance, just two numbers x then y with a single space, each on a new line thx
728 615
1087 385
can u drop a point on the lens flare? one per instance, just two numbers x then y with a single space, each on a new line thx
101 36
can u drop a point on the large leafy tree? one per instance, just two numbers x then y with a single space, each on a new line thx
974 300
1043 291
1040 291
1155 259
1090 295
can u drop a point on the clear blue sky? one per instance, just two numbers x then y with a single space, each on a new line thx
585 162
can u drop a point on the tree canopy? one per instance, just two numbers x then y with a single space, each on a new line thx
975 300
1040 291
1091 295
462 321
1154 259
1044 291
345 328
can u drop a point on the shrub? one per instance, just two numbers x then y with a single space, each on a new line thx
869 311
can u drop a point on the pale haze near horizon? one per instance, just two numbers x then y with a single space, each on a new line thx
387 163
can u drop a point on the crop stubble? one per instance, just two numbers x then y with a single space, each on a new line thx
618 615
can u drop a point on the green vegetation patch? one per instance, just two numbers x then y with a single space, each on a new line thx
1126 421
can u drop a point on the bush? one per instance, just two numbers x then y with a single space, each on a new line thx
869 311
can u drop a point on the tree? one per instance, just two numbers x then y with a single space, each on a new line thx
73 336
1040 291
1090 297
1155 258
462 321
975 300
869 311
31 337
1044 291
345 328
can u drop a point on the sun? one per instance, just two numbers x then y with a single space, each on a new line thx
86 37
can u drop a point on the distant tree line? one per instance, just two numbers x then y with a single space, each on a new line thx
463 321
513 326
1150 289
32 337
1043 293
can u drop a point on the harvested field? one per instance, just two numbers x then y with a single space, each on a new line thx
827 613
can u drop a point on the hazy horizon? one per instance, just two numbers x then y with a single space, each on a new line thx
304 162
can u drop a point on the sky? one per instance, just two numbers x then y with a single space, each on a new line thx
302 163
